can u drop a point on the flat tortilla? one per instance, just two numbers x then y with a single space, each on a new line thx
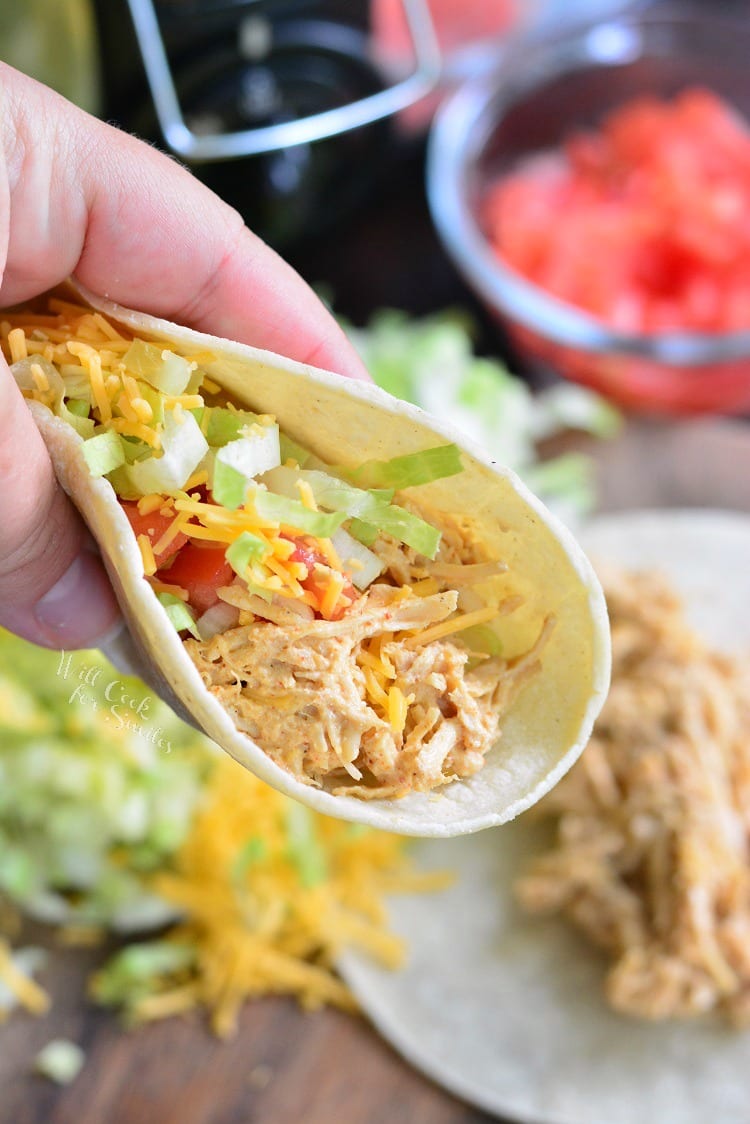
345 422
508 1011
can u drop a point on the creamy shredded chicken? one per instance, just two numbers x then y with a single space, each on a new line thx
652 857
360 704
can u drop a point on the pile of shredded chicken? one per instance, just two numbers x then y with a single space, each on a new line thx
302 688
652 857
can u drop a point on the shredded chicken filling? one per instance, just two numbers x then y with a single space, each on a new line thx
361 704
651 859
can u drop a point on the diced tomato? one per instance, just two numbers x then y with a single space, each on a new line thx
153 526
645 224
200 570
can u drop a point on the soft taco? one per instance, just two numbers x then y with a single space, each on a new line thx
366 613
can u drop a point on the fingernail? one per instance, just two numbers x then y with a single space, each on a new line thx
80 608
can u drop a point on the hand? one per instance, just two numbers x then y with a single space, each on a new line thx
78 197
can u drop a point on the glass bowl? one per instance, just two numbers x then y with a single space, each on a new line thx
538 93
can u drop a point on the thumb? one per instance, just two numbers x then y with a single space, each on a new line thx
53 588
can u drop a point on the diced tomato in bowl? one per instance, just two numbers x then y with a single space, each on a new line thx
594 190
644 223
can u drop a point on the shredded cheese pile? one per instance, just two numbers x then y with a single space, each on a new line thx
268 914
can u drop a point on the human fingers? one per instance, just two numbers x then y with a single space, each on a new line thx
53 589
131 224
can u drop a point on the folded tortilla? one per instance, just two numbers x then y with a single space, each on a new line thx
343 422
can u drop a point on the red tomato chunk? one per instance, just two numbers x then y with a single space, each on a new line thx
153 527
656 207
200 570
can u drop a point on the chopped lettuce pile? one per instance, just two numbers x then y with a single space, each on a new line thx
431 362
98 784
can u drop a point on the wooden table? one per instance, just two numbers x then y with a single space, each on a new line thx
286 1067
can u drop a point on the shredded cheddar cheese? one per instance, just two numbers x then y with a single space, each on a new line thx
149 504
173 530
398 707
17 344
268 914
147 554
449 627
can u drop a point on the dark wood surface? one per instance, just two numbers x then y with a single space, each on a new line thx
284 1066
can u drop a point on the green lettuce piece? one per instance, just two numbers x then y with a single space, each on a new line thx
482 638
80 407
103 453
291 451
122 484
362 532
155 400
410 470
303 846
132 974
371 509
244 550
229 486
281 509
158 366
179 614
225 425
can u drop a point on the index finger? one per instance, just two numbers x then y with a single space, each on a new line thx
89 200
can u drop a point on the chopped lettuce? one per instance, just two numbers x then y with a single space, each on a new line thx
362 564
291 451
158 366
244 550
226 425
431 362
129 974
254 453
409 470
98 785
293 513
228 485
180 615
371 508
303 846
104 452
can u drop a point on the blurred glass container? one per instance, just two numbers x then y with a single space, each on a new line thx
55 42
541 90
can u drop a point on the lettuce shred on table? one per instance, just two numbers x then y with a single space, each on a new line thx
431 362
114 816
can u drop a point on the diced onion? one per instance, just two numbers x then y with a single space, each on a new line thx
253 454
217 619
184 448
366 566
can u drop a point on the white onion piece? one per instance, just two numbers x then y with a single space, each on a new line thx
184 448
362 564
257 452
217 619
